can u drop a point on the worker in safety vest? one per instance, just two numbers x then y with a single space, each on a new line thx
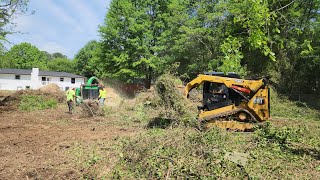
71 95
102 95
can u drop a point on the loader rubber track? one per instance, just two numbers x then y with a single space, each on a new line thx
226 121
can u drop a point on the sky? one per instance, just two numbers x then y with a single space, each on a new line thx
63 26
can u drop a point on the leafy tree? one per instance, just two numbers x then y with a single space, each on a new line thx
61 65
26 56
129 38
48 55
54 55
251 37
297 45
8 10
58 55
4 63
144 38
186 40
86 60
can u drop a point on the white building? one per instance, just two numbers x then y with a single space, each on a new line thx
17 79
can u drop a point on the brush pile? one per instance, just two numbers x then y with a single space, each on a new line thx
172 103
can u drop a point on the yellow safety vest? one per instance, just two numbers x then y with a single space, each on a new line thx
102 93
70 94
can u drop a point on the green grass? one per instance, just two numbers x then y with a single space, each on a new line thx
282 107
34 102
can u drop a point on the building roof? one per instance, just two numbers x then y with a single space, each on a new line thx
41 73
15 71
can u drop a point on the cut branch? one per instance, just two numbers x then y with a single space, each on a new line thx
286 5
204 44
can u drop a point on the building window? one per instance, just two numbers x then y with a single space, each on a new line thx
61 79
43 78
27 87
73 80
67 88
17 77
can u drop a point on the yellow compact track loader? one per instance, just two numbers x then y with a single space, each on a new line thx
230 102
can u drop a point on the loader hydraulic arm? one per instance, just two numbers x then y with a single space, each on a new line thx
192 84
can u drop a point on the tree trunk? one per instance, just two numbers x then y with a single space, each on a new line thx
147 82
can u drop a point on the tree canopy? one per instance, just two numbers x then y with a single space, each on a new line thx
61 65
8 10
142 39
86 60
25 56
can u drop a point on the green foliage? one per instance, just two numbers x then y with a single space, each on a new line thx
61 65
86 60
58 55
251 37
130 36
34 102
9 10
255 18
283 136
232 57
48 55
25 56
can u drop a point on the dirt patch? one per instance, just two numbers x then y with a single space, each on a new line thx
4 93
51 88
36 145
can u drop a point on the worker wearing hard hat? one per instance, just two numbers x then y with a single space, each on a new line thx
102 95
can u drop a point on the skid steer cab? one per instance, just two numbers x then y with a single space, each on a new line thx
231 102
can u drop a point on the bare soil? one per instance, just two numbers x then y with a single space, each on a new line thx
35 145
51 88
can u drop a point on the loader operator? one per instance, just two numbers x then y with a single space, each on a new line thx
71 95
102 95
